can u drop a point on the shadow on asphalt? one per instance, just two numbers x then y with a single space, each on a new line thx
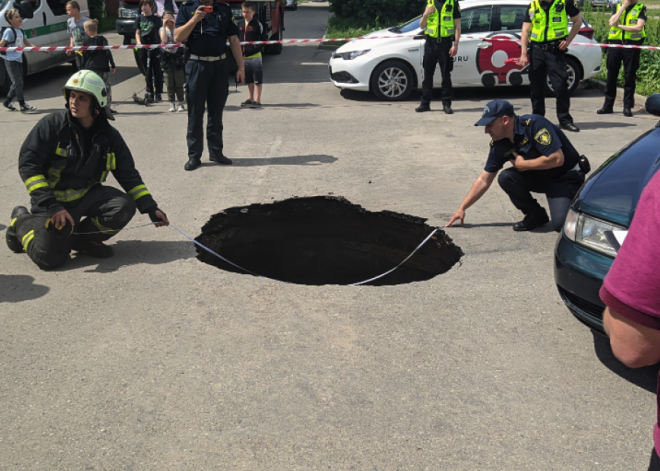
134 252
18 288
307 160
597 125
646 378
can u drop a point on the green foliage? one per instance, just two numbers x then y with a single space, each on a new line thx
388 12
350 28
97 9
648 75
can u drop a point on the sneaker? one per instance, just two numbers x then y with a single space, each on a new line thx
181 107
172 108
159 97
10 236
256 104
26 107
8 105
247 103
93 248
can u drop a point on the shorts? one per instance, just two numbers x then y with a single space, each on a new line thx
253 70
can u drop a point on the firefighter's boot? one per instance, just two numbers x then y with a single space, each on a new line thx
12 239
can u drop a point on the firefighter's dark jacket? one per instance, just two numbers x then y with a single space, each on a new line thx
58 167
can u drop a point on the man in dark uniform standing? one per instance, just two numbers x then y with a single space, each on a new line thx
441 23
543 161
206 25
547 27
626 27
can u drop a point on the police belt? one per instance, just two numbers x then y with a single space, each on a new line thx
195 57
440 39
549 46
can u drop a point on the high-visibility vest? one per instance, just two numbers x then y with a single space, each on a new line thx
441 23
544 30
628 19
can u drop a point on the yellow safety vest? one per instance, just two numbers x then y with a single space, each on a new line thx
628 19
544 30
441 23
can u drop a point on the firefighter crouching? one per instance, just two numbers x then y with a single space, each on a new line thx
63 163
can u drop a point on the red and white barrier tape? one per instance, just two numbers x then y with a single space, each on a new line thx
287 41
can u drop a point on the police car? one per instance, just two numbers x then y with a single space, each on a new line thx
392 68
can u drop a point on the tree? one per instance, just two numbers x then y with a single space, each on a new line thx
387 11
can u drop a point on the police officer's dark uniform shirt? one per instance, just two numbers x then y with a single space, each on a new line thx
642 16
149 27
571 10
534 137
209 37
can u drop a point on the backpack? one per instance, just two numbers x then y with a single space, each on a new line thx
3 54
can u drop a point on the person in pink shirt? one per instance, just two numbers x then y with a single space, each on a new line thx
166 5
631 293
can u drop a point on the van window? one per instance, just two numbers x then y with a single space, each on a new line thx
57 6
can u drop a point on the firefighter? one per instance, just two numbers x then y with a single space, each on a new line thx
626 27
547 27
441 23
63 163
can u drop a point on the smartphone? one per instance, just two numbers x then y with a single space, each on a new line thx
208 8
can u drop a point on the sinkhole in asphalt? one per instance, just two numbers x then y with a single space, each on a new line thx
325 240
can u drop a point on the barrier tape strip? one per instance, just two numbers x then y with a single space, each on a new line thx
287 41
280 281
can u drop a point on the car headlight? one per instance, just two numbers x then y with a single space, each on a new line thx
590 232
349 56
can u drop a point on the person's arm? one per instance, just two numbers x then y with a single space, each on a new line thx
633 344
524 44
479 188
457 36
554 160
238 55
29 44
614 19
425 17
111 60
577 24
183 32
71 44
163 35
3 43
633 29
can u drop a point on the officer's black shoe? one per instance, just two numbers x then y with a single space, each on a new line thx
447 109
93 248
604 110
12 239
220 160
627 113
532 221
158 98
421 108
193 164
570 127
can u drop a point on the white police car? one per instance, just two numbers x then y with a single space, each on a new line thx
392 68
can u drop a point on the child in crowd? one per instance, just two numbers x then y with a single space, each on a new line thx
75 26
250 30
173 63
14 37
100 62
147 26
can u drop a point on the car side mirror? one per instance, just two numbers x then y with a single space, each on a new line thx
653 104
25 9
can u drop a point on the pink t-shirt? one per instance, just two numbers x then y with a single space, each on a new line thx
632 286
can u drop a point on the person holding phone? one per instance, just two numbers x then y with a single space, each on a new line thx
206 25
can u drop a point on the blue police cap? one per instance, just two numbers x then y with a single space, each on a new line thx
495 109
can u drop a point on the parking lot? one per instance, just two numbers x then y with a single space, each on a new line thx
154 360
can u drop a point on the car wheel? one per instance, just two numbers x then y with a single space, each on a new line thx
574 77
392 81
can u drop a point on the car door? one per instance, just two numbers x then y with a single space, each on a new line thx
56 17
475 25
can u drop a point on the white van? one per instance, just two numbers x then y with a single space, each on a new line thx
45 27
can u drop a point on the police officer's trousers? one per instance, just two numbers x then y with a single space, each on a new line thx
550 64
108 210
208 86
558 190
437 53
630 59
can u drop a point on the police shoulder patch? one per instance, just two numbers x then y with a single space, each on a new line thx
543 137
491 143
527 122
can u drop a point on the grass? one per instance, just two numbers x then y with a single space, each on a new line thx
106 24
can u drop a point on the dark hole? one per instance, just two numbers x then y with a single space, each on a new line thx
325 240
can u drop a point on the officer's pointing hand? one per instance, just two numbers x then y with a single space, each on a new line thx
460 214
199 14
60 218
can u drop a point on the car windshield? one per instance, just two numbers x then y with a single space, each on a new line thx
412 25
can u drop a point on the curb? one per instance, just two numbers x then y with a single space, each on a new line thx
329 46
640 100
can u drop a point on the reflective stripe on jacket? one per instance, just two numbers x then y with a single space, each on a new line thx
544 30
441 23
628 19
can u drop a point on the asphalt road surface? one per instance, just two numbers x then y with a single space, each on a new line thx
152 360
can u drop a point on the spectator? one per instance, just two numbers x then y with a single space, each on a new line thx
147 26
75 25
100 62
163 6
251 29
14 37
631 293
173 62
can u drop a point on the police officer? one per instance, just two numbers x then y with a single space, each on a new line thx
548 23
441 23
542 161
206 25
63 163
626 27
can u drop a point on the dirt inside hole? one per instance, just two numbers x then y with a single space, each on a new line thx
325 240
